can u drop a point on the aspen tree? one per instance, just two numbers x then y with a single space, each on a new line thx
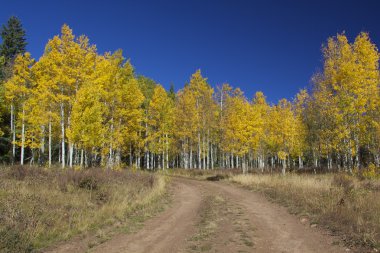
131 115
223 92
299 145
87 127
260 107
147 87
186 125
18 92
349 84
160 114
46 72
203 100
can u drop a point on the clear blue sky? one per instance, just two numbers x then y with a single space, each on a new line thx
273 46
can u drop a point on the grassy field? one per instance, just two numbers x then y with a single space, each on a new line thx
342 203
39 207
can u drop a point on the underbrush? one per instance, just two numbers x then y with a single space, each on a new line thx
346 205
39 207
211 175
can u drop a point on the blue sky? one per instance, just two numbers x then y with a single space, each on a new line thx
272 46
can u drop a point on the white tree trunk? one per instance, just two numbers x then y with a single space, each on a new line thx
42 148
13 132
212 158
152 160
208 149
163 158
110 156
357 156
283 166
63 136
167 152
50 142
204 153
71 152
338 161
199 150
191 155
85 159
22 136
147 160
118 157
137 162
146 147
300 162
81 157
243 164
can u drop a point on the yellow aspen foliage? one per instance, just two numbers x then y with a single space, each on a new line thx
160 123
92 109
282 131
18 91
87 128
18 87
130 113
186 124
346 93
299 144
238 128
260 106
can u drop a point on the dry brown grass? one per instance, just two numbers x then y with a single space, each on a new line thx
345 205
39 207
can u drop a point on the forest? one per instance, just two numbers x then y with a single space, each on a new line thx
74 107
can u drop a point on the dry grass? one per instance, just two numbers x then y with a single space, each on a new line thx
345 205
39 207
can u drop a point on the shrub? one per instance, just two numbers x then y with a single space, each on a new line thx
102 196
216 178
88 182
371 172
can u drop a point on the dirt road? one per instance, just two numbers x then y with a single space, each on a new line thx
219 217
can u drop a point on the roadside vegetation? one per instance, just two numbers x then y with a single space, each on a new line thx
39 207
347 205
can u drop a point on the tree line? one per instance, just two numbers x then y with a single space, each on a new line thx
76 107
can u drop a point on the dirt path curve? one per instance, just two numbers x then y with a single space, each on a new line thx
165 233
275 230
219 217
